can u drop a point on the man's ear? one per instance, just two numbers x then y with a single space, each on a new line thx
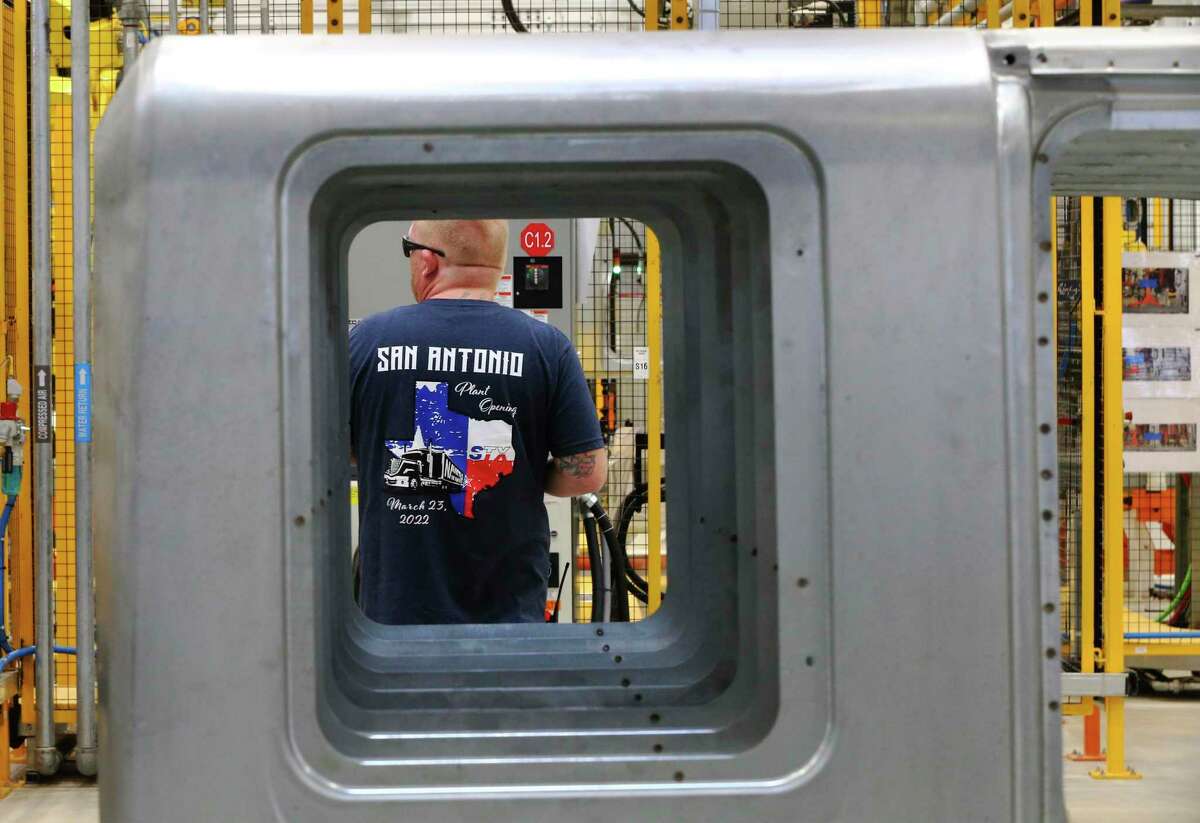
429 263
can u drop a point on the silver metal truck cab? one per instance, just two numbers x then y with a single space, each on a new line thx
854 229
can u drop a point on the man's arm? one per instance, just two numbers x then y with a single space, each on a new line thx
576 474
580 462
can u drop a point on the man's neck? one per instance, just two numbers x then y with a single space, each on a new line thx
464 294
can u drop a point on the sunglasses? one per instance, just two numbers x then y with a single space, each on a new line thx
410 247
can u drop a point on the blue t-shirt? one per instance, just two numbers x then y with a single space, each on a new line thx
454 408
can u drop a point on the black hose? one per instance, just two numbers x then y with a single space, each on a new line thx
637 583
356 574
596 562
629 509
640 444
636 10
637 586
630 506
628 225
625 581
619 610
510 14
614 281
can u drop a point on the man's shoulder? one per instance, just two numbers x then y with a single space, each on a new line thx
375 323
387 315
540 329
544 333
369 333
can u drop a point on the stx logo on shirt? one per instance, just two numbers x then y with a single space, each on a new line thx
450 452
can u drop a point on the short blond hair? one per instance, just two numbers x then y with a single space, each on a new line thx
465 242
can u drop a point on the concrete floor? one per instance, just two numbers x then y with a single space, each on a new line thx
1163 744
67 800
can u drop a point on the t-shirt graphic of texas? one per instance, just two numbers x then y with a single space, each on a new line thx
449 452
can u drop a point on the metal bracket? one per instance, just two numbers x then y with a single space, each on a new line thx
1100 684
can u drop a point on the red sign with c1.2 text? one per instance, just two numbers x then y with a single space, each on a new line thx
537 239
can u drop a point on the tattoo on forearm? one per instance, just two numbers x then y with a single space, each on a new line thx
576 465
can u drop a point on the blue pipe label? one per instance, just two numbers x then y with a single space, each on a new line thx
83 403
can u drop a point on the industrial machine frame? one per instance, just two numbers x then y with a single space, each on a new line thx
792 346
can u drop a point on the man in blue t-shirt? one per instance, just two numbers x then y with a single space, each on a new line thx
456 404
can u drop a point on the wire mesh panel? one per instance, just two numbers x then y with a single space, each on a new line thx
283 17
1160 538
801 14
488 16
1160 348
402 16
63 366
105 62
245 17
18 543
493 16
1169 225
1070 425
611 337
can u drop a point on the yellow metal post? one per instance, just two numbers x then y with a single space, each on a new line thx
1020 14
364 16
653 9
333 16
63 371
306 16
1085 12
679 20
868 14
1046 13
6 207
1113 607
993 14
654 418
1158 224
5 37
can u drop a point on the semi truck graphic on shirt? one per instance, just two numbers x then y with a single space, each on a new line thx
450 452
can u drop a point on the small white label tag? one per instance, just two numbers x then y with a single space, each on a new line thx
641 363
504 293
